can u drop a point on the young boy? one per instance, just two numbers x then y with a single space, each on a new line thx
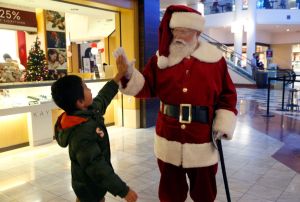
82 127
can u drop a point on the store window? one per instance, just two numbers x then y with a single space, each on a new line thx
64 40
261 51
296 57
62 37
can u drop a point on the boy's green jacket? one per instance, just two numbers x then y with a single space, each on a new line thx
89 149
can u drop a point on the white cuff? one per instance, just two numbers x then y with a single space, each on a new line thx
225 122
134 85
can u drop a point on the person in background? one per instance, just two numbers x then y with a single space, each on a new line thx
259 64
198 104
298 4
267 4
7 57
253 65
82 128
282 4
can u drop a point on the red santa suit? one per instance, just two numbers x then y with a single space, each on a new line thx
201 80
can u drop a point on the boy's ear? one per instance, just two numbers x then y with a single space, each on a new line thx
79 104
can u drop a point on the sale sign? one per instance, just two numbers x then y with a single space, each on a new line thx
11 16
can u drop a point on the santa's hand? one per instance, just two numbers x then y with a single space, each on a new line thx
120 51
217 135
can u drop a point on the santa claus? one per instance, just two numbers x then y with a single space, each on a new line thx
198 99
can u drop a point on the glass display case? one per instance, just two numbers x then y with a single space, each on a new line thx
28 114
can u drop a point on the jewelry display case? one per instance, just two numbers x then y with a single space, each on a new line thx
28 113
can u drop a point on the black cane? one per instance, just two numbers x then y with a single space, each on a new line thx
219 143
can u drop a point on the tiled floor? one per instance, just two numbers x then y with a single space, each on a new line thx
262 160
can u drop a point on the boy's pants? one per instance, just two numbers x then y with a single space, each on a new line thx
173 185
103 200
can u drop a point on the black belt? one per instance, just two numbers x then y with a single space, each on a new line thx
186 113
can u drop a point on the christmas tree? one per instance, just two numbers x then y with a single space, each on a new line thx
36 65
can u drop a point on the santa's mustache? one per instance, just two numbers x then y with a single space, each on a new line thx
179 42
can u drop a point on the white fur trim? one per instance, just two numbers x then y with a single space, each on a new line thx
162 61
134 85
187 155
199 155
187 20
207 52
167 151
224 122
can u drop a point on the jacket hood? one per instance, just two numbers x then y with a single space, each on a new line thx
63 127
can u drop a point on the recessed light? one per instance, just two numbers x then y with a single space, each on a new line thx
287 30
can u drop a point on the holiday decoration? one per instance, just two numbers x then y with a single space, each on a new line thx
9 72
37 65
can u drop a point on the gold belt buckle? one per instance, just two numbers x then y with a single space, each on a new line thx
190 113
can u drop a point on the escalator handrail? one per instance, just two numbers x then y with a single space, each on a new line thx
224 48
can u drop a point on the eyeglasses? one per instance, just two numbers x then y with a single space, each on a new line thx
182 31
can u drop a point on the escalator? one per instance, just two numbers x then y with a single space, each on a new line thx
239 74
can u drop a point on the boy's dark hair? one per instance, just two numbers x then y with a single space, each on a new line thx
66 91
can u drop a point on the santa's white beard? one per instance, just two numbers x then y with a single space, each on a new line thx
180 49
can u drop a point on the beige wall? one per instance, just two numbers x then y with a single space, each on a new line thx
282 55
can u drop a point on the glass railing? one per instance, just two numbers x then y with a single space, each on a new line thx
223 6
278 4
212 7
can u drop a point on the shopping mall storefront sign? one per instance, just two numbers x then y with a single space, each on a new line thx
17 19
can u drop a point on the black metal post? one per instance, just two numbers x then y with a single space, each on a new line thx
283 95
219 143
268 101
292 100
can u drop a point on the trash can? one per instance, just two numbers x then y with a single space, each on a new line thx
261 79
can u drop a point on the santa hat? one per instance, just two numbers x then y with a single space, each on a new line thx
176 16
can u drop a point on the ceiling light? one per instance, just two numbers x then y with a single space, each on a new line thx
287 30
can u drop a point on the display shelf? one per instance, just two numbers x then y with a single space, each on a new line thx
40 83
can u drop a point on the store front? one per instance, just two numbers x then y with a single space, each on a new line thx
261 50
296 58
66 48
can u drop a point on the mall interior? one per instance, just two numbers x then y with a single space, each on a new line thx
46 39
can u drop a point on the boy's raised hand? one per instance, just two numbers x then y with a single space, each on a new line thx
131 196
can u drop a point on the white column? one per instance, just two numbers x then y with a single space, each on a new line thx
238 28
251 29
